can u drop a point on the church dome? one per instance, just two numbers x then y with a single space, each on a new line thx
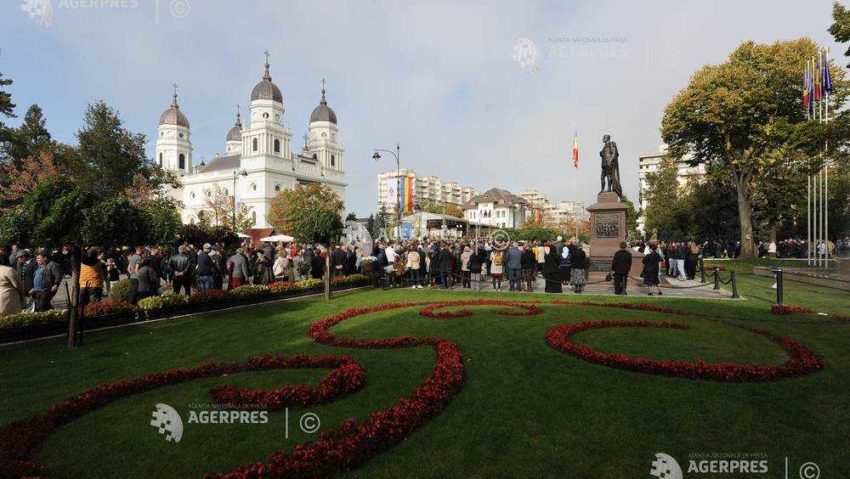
323 112
266 90
173 115
235 133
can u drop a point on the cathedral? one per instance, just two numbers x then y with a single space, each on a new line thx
258 162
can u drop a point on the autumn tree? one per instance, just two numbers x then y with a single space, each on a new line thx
744 116
309 213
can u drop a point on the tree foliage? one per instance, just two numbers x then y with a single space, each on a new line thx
840 28
309 213
743 117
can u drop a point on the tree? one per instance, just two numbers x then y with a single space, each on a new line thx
351 216
109 155
24 177
7 108
662 196
443 208
381 223
309 213
221 209
631 218
744 116
31 138
840 28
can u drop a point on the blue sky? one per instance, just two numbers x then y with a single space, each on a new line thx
436 76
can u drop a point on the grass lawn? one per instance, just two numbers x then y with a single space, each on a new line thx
526 410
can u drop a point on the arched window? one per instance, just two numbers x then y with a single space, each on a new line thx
253 218
160 159
254 144
182 161
333 160
315 157
276 145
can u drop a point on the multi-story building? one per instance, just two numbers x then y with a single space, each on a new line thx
425 189
550 214
651 162
259 161
497 207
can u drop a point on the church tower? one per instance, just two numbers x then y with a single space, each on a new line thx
323 142
173 145
233 143
266 135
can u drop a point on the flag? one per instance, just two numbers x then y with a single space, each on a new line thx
827 79
406 194
575 149
817 80
806 88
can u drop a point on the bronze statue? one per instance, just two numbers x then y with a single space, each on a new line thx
610 166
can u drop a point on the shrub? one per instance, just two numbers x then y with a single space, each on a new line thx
159 302
249 290
206 297
281 286
32 319
104 308
308 283
121 290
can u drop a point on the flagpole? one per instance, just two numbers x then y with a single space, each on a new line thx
809 222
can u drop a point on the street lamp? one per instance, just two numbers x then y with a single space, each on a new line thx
397 153
236 174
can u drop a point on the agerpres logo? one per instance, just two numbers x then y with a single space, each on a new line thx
168 422
665 467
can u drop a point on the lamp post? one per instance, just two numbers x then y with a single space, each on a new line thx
396 154
236 174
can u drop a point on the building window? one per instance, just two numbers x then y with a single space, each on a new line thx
277 187
160 159
254 144
182 161
254 186
333 160
315 157
253 218
266 116
276 145
180 134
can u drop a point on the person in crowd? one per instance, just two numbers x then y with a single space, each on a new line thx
113 274
132 266
181 268
218 266
338 261
40 291
464 267
692 260
389 269
620 267
540 254
26 268
564 260
578 273
681 254
205 268
11 289
91 277
237 269
513 262
282 267
476 265
264 274
528 267
317 262
497 259
444 260
651 271
148 279
552 269
414 267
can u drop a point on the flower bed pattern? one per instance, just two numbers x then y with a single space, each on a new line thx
780 309
801 360
353 443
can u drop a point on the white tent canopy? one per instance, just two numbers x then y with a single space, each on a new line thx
243 235
278 239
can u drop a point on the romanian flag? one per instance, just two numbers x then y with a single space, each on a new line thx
806 87
575 150
817 80
406 195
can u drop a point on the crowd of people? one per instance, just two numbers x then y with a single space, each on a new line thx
30 281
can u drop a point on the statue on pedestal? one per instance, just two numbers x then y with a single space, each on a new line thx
610 167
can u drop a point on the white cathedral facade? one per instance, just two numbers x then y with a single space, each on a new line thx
259 159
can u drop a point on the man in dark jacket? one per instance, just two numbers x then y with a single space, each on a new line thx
528 263
444 259
206 268
181 268
620 268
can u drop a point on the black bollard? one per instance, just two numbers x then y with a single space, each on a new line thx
734 281
701 270
716 278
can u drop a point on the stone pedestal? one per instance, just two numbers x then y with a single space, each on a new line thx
607 230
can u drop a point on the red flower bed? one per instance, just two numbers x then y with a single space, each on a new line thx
517 308
103 308
204 297
19 439
842 319
281 286
780 309
801 360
